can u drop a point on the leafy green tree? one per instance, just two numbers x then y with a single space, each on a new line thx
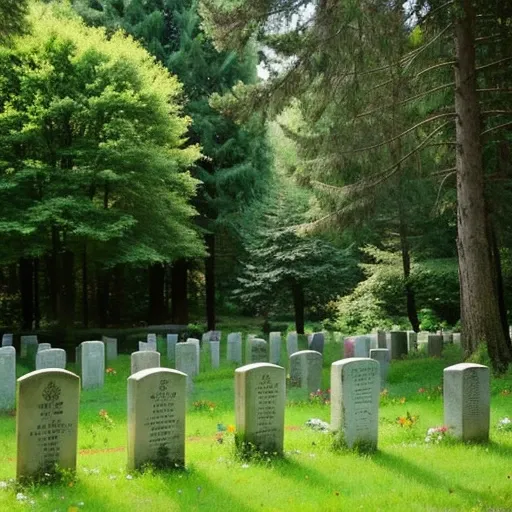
12 18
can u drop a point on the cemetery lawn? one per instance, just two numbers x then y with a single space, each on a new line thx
405 474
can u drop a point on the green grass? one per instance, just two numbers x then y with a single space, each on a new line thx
405 474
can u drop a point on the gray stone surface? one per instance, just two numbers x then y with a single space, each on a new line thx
292 343
398 344
28 346
110 347
144 360
7 340
43 346
197 344
151 340
51 358
356 346
215 353
274 343
248 341
306 370
467 396
382 356
456 338
355 389
381 339
258 351
412 341
186 358
234 347
434 345
172 339
7 378
156 418
317 342
447 337
47 422
92 364
260 397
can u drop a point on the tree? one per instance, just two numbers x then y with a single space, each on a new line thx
12 18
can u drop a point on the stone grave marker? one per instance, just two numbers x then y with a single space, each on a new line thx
43 346
186 358
156 418
398 344
248 342
456 338
434 345
215 336
7 340
258 351
78 358
467 397
382 356
110 347
447 337
7 378
51 358
92 364
28 346
47 422
309 337
260 396
151 341
317 342
356 346
412 341
381 339
292 343
355 389
196 344
274 342
234 348
144 360
172 339
306 370
215 353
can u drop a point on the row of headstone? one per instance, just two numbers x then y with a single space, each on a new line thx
7 340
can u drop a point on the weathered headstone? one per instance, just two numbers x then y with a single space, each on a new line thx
110 347
43 346
144 360
215 353
47 422
248 342
467 396
434 345
260 397
156 418
356 346
292 343
412 341
317 342
374 343
92 364
151 341
456 338
197 344
398 344
274 342
28 346
7 378
355 388
234 347
186 358
306 370
51 358
382 356
447 337
7 340
172 339
215 336
258 351
381 339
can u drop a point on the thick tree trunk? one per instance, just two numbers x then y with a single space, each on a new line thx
209 276
480 312
156 313
179 292
298 307
27 292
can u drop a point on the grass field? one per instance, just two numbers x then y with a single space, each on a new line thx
405 474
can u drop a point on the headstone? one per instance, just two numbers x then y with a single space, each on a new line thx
274 342
292 343
467 397
306 370
382 356
51 358
260 396
381 339
412 341
356 346
447 337
28 346
456 338
317 342
156 418
186 358
309 337
234 348
7 340
7 378
151 341
172 339
78 359
47 422
215 353
146 347
248 342
398 344
111 347
355 389
92 364
215 335
434 345
43 346
374 343
144 359
258 351
196 344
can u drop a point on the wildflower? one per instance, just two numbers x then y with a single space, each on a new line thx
3 485
402 400
110 371
505 424
421 390
245 466
317 424
129 477
231 429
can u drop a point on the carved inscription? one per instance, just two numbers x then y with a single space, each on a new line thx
362 379
267 393
471 396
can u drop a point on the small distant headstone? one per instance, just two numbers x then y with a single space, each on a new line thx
248 342
186 358
306 370
51 358
146 347
195 342
447 337
28 345
156 418
275 347
215 353
355 389
412 341
144 360
111 347
317 342
434 345
7 340
7 378
258 351
309 337
43 346
356 346
373 341
215 335
172 339
292 343
456 338
92 364
382 356
398 343
381 339
260 396
467 396
234 348
151 341
47 422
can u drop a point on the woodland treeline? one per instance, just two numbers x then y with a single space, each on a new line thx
156 178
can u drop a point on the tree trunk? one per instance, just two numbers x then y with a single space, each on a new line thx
117 300
480 312
156 313
179 292
67 290
298 307
102 291
209 276
26 290
85 295
37 303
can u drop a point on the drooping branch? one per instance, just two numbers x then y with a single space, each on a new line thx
498 127
435 66
491 64
427 45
